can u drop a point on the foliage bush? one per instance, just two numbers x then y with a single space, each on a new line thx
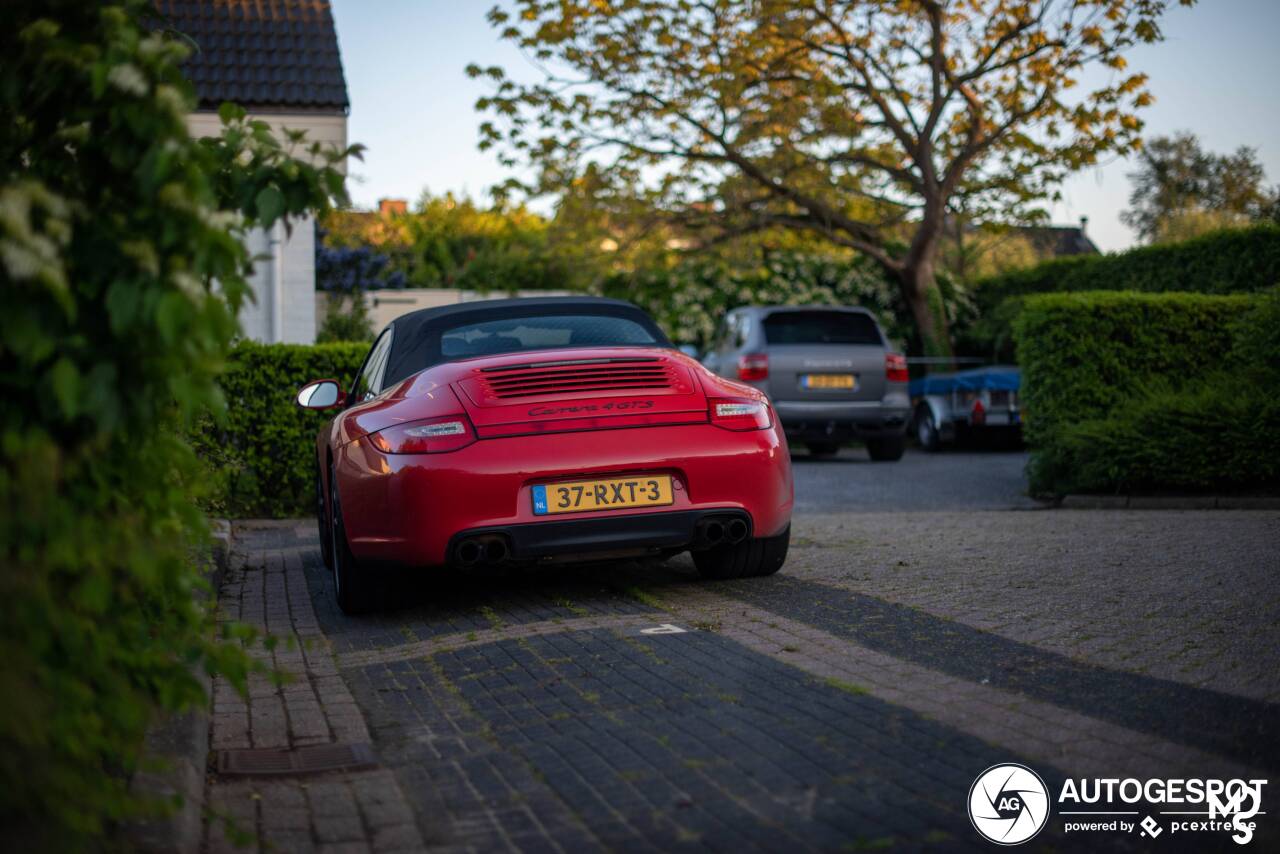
1211 436
114 224
262 453
345 274
1115 383
345 319
1233 261
447 242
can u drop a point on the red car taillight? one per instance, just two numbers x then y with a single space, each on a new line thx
735 413
753 367
895 368
436 436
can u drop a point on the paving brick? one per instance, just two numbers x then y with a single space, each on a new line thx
330 828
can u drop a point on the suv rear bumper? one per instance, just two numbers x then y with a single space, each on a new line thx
838 421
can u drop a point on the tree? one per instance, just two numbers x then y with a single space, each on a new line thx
1180 190
122 266
857 120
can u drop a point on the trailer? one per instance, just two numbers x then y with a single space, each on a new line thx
946 406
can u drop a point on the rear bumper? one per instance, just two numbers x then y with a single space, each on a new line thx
408 508
649 531
842 421
999 418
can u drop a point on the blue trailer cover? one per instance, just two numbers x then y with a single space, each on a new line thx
995 378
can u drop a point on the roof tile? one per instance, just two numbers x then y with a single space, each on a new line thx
261 53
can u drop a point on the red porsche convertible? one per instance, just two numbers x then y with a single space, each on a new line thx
539 430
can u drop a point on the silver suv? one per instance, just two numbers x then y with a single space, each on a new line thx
829 370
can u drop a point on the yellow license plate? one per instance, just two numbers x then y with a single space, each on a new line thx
841 381
614 494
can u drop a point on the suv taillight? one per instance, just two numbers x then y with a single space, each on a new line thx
753 367
895 368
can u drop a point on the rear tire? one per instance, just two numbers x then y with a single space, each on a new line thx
927 430
751 558
887 450
823 449
353 584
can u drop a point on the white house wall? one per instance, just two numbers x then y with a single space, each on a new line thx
296 323
287 313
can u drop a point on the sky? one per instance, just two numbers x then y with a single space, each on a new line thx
412 105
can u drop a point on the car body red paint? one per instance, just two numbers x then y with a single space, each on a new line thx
406 508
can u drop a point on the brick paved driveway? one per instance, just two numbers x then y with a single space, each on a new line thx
847 703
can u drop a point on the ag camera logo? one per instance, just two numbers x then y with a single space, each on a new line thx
1008 804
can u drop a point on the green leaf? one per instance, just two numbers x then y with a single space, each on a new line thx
170 316
64 379
229 112
122 304
270 205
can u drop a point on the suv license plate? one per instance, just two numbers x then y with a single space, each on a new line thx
846 382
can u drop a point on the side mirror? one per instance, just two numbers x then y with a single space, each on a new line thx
321 394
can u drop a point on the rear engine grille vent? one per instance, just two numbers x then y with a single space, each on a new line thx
570 377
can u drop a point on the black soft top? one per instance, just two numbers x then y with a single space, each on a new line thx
415 337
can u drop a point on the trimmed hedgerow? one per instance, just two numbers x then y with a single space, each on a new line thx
1225 262
1127 391
1212 436
263 452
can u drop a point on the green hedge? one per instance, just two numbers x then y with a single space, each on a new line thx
261 453
1129 391
1225 262
1210 437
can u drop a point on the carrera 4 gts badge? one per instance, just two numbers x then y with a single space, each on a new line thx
587 408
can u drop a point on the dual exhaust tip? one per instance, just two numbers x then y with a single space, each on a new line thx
719 530
492 549
477 550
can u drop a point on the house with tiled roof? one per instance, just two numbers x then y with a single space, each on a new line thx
278 59
1060 241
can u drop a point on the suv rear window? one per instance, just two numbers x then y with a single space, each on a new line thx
821 327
